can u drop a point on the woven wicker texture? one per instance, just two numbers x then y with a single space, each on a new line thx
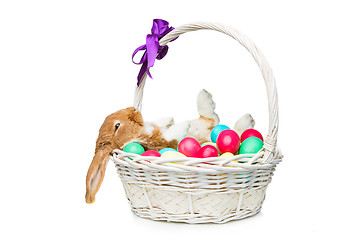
212 190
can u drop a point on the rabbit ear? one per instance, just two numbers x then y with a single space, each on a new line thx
96 173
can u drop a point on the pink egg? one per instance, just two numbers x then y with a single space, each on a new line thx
189 147
207 151
151 153
250 133
228 141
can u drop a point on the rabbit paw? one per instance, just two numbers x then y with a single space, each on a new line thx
245 122
177 131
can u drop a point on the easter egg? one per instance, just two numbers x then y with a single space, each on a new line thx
166 149
227 154
207 151
210 143
151 153
172 154
228 141
134 148
251 145
216 131
250 133
189 147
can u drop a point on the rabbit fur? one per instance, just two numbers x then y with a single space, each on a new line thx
127 125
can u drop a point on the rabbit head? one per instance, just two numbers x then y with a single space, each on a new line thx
117 129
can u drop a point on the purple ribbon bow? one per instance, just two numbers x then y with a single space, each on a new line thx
152 48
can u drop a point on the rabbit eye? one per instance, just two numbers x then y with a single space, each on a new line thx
117 125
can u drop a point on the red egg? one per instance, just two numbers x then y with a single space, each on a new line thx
250 133
207 151
151 153
228 141
189 147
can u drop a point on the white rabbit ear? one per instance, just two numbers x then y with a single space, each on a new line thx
96 173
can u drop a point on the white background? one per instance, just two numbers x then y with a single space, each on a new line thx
66 65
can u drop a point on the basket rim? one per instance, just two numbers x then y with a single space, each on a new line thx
198 165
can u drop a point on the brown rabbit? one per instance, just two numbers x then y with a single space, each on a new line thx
127 125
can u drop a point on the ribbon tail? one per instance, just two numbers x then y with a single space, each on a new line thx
148 73
142 71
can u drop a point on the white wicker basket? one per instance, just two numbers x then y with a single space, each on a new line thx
194 192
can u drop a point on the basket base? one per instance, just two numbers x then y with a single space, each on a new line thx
178 206
158 215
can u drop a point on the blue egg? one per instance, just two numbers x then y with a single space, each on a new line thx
216 131
166 149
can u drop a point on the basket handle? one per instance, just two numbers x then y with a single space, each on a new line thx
270 141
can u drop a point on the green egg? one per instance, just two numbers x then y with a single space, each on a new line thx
134 148
251 145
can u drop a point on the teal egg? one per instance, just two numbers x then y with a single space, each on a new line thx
216 131
166 149
134 148
251 145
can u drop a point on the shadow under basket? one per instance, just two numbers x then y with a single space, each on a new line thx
209 190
